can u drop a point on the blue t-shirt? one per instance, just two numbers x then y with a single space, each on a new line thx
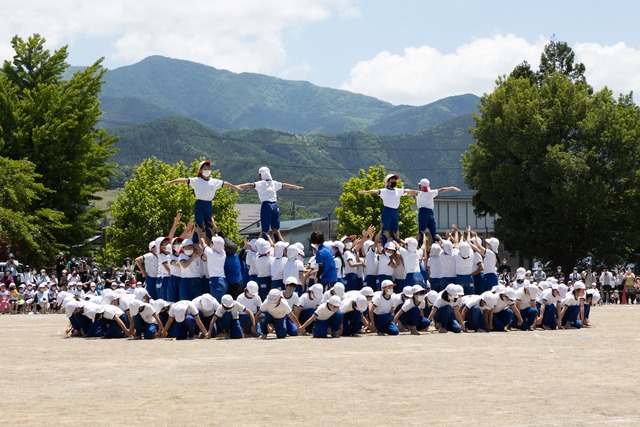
232 269
329 272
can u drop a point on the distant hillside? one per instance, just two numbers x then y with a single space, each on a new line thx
319 162
159 87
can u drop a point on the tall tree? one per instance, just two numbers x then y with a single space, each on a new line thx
357 212
53 123
25 229
146 208
559 166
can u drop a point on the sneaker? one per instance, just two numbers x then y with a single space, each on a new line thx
335 335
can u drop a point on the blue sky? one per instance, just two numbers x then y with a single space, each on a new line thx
404 51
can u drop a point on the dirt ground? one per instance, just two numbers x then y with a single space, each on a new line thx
549 378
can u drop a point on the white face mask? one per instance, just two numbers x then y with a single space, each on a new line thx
176 248
188 252
421 297
348 245
206 173
389 253
167 248
388 291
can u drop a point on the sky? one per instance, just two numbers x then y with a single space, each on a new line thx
404 51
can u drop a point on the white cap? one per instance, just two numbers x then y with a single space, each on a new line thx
134 306
533 290
367 245
180 310
386 283
187 242
263 246
511 293
274 295
452 290
338 289
460 290
71 306
152 244
208 302
562 289
361 302
520 273
498 289
300 247
140 293
265 173
432 296
159 304
390 245
494 243
579 285
217 243
202 163
407 291
339 245
252 288
424 182
292 251
366 291
417 289
227 300
412 244
316 290
90 310
490 299
388 177
335 300
291 280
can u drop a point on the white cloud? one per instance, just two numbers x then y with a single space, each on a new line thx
239 35
616 66
423 74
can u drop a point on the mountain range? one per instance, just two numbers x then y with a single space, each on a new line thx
309 135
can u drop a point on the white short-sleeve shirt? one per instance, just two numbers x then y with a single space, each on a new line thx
323 312
215 262
384 305
150 264
205 189
267 190
277 310
253 304
435 270
235 310
391 197
424 199
192 270
292 268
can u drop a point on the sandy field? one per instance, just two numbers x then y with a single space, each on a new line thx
543 378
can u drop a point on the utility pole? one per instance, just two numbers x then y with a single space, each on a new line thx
294 208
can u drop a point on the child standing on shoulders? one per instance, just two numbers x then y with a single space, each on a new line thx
269 210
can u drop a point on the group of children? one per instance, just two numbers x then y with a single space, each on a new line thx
348 287
195 284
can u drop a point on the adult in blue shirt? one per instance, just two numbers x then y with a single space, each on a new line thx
327 271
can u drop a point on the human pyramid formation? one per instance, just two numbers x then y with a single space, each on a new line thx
194 284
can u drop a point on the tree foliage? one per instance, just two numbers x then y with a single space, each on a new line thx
28 229
52 122
145 209
559 165
357 212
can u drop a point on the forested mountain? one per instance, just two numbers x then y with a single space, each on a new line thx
158 87
319 162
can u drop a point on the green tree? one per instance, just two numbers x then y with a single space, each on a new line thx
53 123
27 229
145 209
357 212
559 166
